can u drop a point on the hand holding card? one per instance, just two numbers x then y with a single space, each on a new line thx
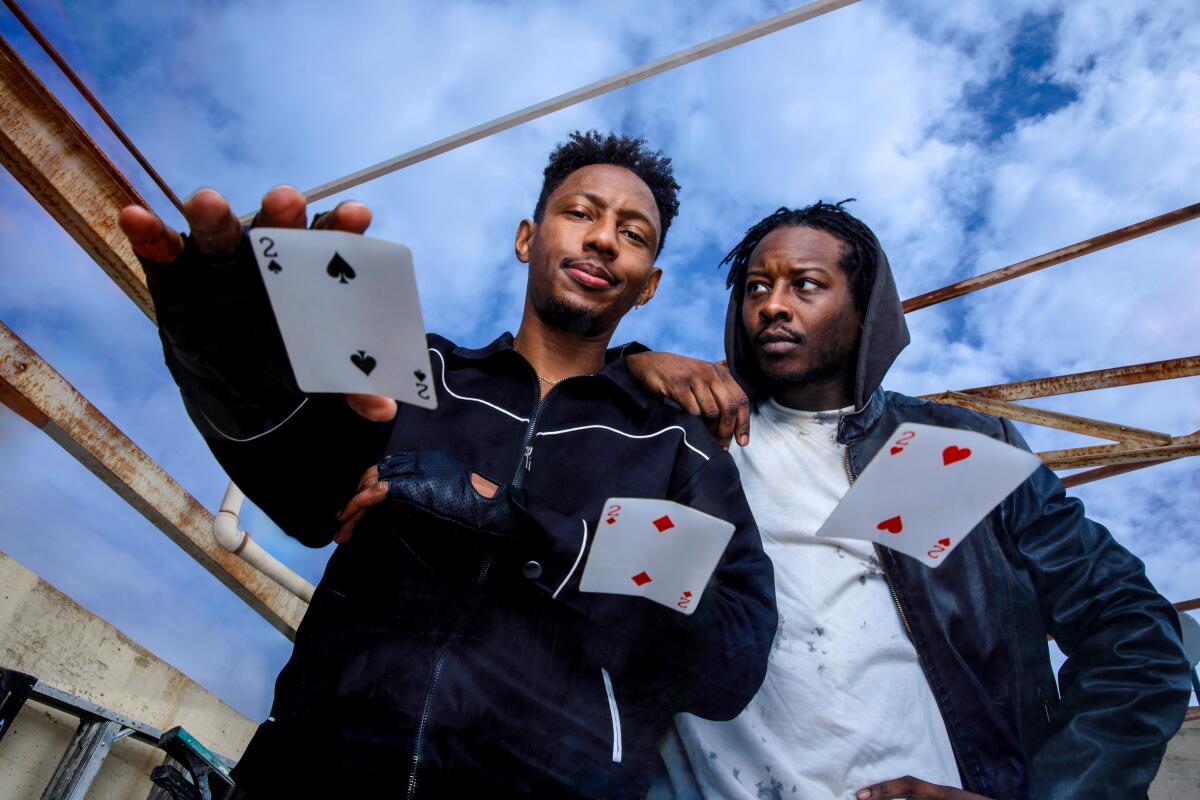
926 489
348 311
657 549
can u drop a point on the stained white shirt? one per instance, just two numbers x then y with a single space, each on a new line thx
845 702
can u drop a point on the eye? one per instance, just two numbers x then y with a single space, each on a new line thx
757 287
805 284
635 236
578 213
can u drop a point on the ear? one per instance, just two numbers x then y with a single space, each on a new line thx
650 287
525 233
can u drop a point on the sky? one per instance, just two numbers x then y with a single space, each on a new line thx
972 135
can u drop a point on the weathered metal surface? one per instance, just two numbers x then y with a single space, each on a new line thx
83 759
1053 257
1087 381
1112 431
63 168
1188 605
611 83
80 429
1099 473
1135 456
92 100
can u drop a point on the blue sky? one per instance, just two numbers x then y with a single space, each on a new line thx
973 134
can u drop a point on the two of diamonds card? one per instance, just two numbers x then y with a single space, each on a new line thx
348 310
657 549
927 488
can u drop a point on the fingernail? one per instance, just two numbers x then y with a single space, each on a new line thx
743 440
863 794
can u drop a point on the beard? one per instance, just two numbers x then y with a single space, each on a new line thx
565 315
828 361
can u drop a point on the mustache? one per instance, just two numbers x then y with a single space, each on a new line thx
779 333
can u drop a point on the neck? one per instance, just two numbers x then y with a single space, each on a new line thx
820 395
555 353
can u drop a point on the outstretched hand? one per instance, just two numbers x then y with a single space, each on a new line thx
914 789
216 231
701 388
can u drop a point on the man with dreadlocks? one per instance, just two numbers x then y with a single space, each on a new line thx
881 667
448 651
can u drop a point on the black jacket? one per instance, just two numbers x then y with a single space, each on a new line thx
438 662
1034 566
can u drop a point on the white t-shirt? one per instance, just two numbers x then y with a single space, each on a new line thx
845 703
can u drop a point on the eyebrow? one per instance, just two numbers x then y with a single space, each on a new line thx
629 212
793 269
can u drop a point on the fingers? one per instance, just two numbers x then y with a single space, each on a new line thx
900 787
282 207
214 228
369 494
350 216
374 407
152 239
740 406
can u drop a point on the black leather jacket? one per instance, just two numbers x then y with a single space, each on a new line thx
1035 566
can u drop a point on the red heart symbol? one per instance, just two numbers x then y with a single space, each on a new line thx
892 525
953 453
944 542
897 450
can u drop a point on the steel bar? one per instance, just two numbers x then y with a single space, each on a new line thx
621 79
1138 456
1105 449
1111 471
1088 381
1188 605
1054 419
1053 257
80 429
92 100
82 761
59 164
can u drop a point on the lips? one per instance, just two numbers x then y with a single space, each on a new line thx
589 274
779 342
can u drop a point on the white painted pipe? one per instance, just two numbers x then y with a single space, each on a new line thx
225 531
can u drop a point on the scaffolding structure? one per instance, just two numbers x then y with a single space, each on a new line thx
52 156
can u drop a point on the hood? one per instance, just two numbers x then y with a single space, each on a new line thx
884 335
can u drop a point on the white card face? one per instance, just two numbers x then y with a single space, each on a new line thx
656 549
927 488
348 310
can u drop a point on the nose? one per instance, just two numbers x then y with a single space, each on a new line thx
775 306
601 238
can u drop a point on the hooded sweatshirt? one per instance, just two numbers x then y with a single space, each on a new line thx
845 703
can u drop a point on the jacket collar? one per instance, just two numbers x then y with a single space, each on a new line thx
615 371
857 424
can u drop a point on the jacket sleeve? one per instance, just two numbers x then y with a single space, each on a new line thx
1124 687
297 456
710 663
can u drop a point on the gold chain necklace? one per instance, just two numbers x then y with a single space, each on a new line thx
549 382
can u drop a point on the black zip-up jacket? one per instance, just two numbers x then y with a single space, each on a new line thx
1035 566
432 662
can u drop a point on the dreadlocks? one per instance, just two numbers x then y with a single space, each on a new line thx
584 149
860 248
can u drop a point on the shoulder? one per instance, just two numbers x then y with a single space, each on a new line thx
914 409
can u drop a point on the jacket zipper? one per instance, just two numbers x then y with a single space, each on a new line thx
904 619
423 724
524 464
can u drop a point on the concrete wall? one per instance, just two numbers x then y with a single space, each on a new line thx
1179 776
45 633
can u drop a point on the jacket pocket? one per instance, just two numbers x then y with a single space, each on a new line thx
614 713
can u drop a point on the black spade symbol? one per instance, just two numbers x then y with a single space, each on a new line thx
419 375
363 361
338 268
274 267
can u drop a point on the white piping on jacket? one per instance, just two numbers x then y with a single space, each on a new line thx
257 435
450 392
616 717
582 547
630 435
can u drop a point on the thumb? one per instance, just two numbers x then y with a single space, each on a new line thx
374 407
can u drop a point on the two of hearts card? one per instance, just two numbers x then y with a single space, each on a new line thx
348 310
927 488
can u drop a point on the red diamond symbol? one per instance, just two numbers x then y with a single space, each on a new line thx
663 523
611 520
641 579
687 594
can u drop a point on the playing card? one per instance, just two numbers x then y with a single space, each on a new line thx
927 488
348 310
656 549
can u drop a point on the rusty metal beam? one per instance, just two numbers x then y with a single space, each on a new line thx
1137 456
52 156
1058 256
1125 434
1087 381
1111 471
1188 605
47 400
